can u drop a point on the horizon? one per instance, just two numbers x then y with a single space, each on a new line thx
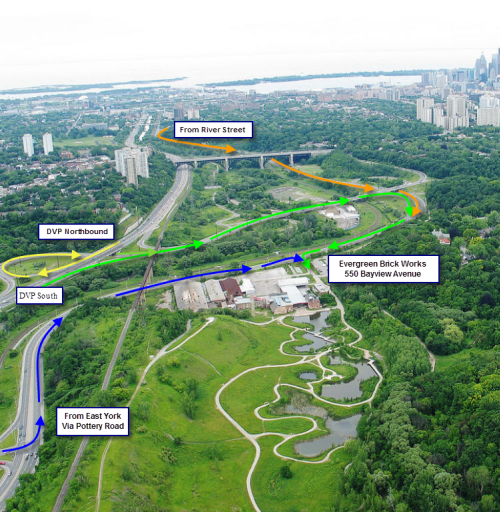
61 43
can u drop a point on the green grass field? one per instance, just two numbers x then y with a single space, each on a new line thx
84 142
33 266
207 468
9 388
444 362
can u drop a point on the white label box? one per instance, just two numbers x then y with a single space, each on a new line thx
34 295
76 231
214 129
92 421
383 269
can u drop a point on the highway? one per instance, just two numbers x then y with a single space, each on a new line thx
143 231
29 410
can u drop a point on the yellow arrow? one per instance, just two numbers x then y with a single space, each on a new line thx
74 254
5 263
44 273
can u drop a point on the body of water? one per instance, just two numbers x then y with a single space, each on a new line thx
317 320
316 344
315 84
340 432
351 389
308 376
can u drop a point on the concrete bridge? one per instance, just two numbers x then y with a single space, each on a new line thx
261 157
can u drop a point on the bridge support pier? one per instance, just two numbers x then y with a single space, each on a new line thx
261 161
196 164
291 159
226 163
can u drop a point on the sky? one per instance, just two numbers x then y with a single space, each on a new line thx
93 41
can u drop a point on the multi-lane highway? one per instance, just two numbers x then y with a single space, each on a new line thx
142 231
29 410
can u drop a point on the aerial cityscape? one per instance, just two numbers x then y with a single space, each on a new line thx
271 286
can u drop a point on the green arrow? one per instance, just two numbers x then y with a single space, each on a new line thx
307 263
343 201
276 214
310 252
388 194
409 211
373 232
195 244
334 246
152 252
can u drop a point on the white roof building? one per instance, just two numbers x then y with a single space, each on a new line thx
294 294
214 291
247 287
293 281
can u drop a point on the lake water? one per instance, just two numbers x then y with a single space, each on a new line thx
315 84
351 389
340 432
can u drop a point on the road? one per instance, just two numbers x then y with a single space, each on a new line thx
143 231
28 408
168 208
28 412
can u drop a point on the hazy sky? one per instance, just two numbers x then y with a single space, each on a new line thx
64 41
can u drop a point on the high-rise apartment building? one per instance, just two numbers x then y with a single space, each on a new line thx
456 106
193 113
48 146
28 144
140 157
131 171
178 113
424 109
488 116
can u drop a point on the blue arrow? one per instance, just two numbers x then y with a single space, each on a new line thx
57 322
40 424
295 258
244 269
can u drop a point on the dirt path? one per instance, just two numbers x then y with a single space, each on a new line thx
165 350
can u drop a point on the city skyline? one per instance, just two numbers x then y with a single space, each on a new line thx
272 41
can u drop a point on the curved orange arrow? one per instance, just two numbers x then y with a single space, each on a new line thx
365 187
416 209
228 148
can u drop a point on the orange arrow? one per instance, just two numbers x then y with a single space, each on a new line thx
415 209
228 148
365 187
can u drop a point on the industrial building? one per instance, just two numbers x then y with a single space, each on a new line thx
190 295
215 292
347 217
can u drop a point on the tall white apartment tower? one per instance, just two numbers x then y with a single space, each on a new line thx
131 169
456 106
424 109
48 146
28 144
140 158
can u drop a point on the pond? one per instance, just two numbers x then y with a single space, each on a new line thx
308 376
350 389
317 320
316 344
340 431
